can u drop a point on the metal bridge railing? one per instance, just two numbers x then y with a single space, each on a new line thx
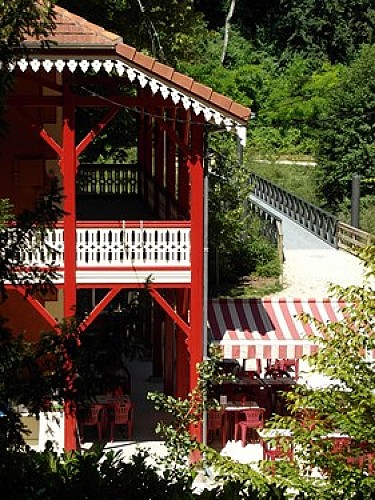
312 218
271 226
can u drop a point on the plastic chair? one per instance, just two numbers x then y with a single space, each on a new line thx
277 448
123 415
253 419
89 417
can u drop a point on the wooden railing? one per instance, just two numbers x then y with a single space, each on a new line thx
107 179
109 244
319 222
352 239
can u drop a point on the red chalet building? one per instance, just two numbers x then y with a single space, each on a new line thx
98 246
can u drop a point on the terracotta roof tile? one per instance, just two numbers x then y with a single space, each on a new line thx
182 80
126 51
73 30
201 90
162 70
240 110
221 101
143 60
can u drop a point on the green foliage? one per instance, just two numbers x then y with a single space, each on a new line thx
347 131
296 178
19 18
6 216
332 29
287 115
188 412
29 226
89 475
236 246
232 480
346 406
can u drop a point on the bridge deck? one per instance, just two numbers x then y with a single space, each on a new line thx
311 265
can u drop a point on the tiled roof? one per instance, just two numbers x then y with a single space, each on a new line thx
73 33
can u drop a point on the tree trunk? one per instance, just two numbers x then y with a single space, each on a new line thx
226 30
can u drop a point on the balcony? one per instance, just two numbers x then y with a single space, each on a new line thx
118 251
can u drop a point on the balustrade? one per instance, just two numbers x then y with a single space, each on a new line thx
102 244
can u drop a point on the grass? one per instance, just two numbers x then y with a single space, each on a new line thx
253 287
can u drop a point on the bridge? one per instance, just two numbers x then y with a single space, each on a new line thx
312 242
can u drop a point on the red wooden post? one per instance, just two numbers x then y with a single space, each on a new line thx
169 350
195 163
69 163
182 361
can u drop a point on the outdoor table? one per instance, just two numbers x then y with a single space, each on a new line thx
231 412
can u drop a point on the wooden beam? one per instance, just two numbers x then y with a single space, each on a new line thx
96 130
35 101
42 132
173 135
169 310
39 308
99 308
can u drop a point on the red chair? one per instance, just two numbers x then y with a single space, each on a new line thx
89 417
340 444
248 420
123 415
277 448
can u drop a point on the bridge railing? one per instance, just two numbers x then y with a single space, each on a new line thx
271 225
312 218
352 239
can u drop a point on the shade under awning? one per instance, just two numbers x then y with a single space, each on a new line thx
268 328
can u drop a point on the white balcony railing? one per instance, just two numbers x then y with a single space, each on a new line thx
115 244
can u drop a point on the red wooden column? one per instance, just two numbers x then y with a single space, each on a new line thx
195 164
69 164
157 351
182 359
169 361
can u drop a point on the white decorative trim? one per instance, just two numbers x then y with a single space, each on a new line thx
155 85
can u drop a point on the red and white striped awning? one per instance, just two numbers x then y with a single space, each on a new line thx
268 328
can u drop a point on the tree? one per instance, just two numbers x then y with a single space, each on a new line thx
328 29
347 131
19 18
346 406
166 29
28 229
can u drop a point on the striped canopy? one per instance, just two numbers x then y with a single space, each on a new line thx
268 328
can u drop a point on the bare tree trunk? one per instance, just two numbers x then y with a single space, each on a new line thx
226 30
